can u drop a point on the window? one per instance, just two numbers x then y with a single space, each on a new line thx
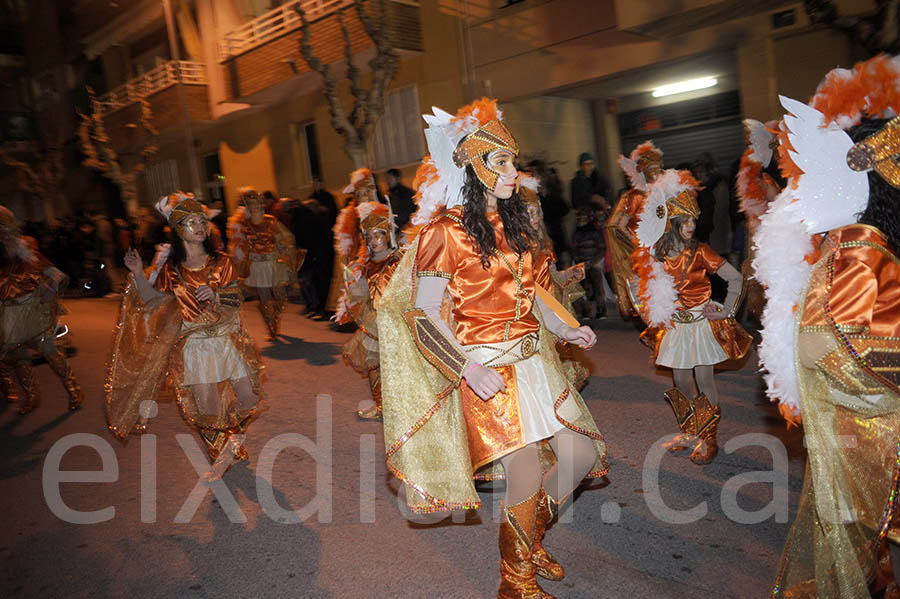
398 134
162 179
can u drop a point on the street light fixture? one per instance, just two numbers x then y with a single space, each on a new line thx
684 86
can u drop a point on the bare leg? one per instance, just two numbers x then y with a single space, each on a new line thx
523 474
247 399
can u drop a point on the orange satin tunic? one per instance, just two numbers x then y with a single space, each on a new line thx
488 304
24 276
217 273
261 237
866 288
378 274
693 286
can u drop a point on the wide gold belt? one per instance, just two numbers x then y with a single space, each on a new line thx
504 353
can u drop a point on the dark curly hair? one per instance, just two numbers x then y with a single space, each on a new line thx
513 211
883 209
178 254
671 240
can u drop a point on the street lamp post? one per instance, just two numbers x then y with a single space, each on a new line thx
188 130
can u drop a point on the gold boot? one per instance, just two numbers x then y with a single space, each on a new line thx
708 417
8 382
545 565
684 416
25 374
375 412
517 572
60 366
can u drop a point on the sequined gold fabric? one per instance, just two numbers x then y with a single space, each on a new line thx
621 245
849 496
268 237
879 151
426 434
148 350
477 145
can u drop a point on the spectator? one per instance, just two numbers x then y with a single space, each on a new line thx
589 247
401 198
589 190
714 224
326 200
269 201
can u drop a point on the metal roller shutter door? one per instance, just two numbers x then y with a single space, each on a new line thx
723 139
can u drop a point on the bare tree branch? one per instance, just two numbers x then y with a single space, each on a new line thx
879 32
368 104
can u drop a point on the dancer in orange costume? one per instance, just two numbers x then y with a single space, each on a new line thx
264 255
478 398
183 323
829 257
365 280
29 306
693 333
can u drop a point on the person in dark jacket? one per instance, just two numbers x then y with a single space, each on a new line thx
401 196
588 189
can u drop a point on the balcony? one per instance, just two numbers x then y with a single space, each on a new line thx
265 52
121 107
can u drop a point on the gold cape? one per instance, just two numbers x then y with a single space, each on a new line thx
424 426
851 421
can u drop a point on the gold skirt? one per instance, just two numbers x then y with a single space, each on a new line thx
690 344
25 318
212 359
268 272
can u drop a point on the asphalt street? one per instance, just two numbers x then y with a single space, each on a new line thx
315 513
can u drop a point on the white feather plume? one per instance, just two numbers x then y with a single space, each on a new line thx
782 243
638 181
759 140
830 193
442 136
652 219
529 182
661 295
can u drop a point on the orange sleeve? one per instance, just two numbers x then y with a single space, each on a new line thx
708 258
164 280
542 269
855 287
225 273
436 256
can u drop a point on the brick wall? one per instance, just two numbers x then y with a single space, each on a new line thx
267 65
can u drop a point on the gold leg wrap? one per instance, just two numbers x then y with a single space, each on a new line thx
375 412
517 533
545 565
271 312
25 374
684 416
8 382
707 417
60 366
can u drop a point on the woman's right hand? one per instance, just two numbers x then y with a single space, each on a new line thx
133 261
485 382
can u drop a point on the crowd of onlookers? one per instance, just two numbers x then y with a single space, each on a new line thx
89 247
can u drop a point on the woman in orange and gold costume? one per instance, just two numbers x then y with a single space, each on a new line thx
692 333
184 323
475 399
265 256
831 337
29 306
643 166
364 282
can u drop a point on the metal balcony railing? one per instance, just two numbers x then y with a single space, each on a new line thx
150 82
279 21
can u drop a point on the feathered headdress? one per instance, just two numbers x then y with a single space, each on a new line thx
360 178
824 191
750 185
346 232
641 158
455 141
178 205
673 193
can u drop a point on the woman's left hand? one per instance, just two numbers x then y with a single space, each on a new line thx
713 312
205 293
583 336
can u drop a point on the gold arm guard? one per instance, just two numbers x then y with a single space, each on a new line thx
439 351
